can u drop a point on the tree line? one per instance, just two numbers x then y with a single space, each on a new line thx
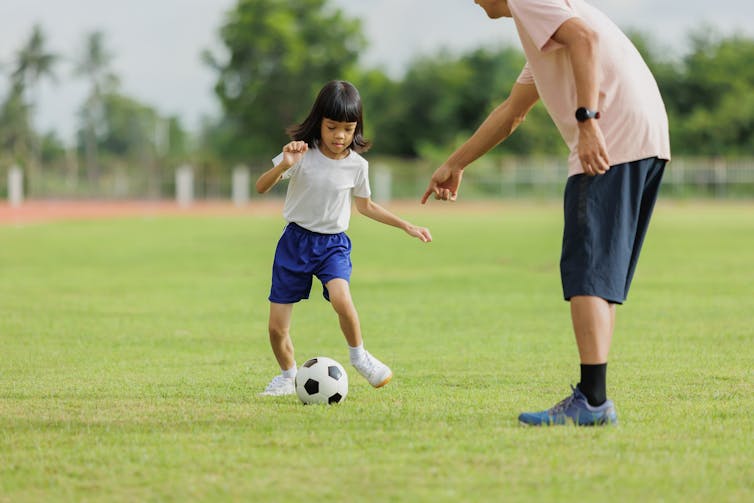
113 130
278 54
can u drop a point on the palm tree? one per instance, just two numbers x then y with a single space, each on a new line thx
15 129
33 63
94 65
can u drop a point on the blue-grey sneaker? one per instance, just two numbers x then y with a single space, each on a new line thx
574 409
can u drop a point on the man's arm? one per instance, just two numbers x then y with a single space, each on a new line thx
582 43
498 126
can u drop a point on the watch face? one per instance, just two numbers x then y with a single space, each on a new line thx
584 114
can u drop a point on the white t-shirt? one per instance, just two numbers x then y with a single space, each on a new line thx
320 190
632 113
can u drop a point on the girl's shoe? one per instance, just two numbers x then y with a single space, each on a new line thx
280 386
377 373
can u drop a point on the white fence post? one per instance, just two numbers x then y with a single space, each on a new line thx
15 186
719 177
383 181
184 185
241 185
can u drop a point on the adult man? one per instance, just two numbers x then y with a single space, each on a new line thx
605 102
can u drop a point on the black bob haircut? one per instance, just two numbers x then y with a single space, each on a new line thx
339 101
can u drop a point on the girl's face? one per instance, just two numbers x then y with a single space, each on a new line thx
336 138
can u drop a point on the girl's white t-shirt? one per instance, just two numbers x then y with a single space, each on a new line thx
320 190
633 118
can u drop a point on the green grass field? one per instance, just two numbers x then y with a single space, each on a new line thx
132 352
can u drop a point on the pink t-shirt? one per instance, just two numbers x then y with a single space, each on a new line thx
633 118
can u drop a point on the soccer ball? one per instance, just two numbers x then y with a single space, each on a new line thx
321 380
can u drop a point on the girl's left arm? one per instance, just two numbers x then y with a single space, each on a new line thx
369 208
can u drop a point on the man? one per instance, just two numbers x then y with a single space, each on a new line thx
606 105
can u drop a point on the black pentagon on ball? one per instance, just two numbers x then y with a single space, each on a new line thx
311 386
335 398
334 372
310 363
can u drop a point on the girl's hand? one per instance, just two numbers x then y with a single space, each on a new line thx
421 233
293 151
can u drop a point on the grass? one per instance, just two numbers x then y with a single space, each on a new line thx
132 352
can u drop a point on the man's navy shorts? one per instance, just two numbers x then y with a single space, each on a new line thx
302 254
606 219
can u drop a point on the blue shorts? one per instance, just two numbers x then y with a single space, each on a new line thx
302 254
606 219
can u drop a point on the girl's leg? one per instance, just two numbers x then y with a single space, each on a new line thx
341 301
280 338
377 373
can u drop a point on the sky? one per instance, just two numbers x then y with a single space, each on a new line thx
157 43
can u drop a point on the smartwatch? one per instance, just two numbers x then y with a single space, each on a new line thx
584 114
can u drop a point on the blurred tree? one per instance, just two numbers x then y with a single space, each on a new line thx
33 62
716 116
127 127
384 121
443 98
134 134
279 54
709 92
51 148
93 64
15 129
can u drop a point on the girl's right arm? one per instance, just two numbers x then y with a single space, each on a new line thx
292 153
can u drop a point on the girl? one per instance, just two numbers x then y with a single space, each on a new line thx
325 169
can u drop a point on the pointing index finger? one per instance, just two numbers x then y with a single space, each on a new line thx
428 193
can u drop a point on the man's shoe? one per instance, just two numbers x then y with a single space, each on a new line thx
574 409
377 373
280 386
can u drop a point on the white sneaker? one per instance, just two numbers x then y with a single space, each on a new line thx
377 373
280 386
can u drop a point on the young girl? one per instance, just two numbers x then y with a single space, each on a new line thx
325 170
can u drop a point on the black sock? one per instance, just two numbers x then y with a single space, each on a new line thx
593 383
